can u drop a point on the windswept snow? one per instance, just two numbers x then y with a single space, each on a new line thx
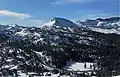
22 74
53 75
15 67
24 32
76 66
49 24
100 23
9 60
106 31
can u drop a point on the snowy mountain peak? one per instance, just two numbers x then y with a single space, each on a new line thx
13 25
60 22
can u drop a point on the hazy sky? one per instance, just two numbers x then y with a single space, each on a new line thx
36 12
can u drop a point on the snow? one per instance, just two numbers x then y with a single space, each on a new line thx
40 53
83 42
56 37
37 34
118 23
49 24
53 44
24 32
100 23
90 38
44 74
15 67
106 31
38 40
11 50
22 74
32 73
9 60
64 76
53 75
20 57
70 29
13 25
46 57
71 65
7 66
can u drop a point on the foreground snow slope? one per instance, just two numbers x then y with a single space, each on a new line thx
77 66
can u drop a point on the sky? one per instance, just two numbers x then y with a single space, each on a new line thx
37 12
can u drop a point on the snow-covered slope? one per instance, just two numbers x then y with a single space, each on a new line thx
108 25
106 31
77 66
23 32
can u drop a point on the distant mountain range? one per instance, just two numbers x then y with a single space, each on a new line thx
108 25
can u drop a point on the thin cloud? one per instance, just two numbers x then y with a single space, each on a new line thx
70 1
95 16
19 18
25 22
14 14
